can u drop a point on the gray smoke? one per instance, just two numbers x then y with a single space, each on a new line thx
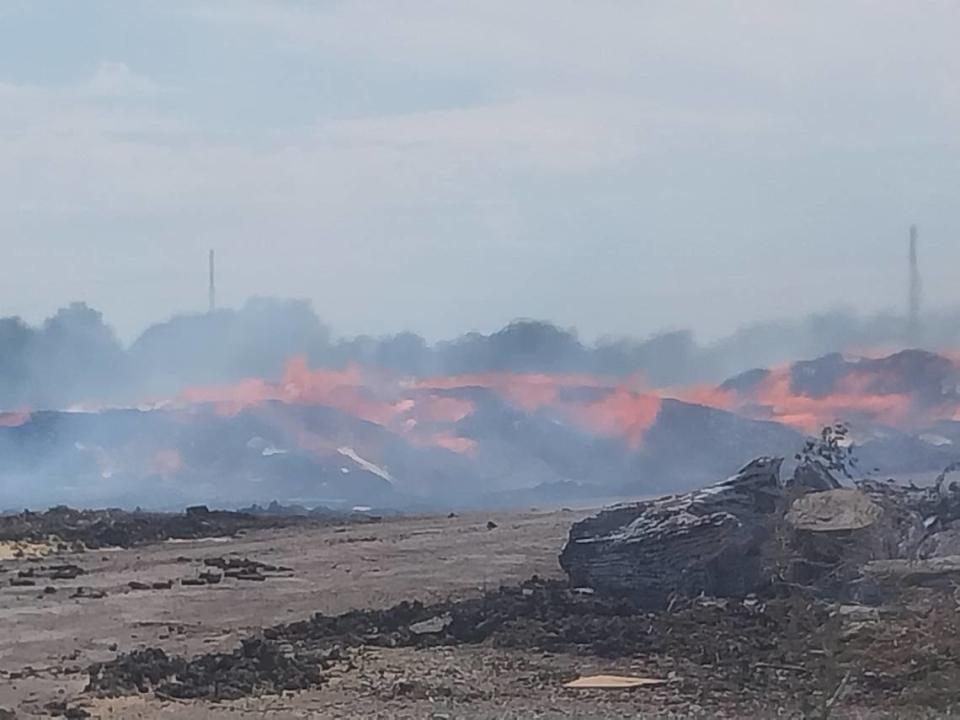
75 357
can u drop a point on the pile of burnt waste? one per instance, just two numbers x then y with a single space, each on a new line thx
781 651
753 533
540 615
122 528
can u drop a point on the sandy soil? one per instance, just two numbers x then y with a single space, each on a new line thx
47 640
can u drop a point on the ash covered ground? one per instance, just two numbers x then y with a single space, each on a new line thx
437 617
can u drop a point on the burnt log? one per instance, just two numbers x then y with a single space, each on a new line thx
711 541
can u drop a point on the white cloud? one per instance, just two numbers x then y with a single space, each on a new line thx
117 80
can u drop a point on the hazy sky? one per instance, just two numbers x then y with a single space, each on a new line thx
446 166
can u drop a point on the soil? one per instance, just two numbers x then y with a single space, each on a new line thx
440 618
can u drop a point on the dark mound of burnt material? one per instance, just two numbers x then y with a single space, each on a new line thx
546 616
724 639
707 541
780 653
120 528
256 667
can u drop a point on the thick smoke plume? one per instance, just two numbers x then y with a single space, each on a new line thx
74 357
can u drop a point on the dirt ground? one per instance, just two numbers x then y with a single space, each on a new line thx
49 635
48 640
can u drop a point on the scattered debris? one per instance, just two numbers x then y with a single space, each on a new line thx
432 626
248 575
63 709
89 593
38 534
751 532
65 572
612 682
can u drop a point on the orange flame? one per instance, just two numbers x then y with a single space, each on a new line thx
14 419
622 413
426 411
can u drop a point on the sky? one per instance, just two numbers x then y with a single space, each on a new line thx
618 167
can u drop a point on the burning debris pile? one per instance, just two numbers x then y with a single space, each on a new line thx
358 436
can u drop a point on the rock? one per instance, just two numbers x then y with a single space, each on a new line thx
65 572
708 541
491 525
89 593
813 477
432 626
254 576
136 585
940 544
62 709
833 511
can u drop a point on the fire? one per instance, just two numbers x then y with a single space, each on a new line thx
374 397
14 419
854 399
428 411
622 413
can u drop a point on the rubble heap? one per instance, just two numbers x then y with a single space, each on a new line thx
705 541
752 532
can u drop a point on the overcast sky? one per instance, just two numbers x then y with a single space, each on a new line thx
444 166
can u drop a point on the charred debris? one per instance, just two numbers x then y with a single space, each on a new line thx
817 532
68 528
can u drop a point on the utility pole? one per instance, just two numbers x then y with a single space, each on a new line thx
913 309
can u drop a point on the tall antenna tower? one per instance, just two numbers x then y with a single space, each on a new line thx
213 286
913 316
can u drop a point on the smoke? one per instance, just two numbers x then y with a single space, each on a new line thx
75 358
263 402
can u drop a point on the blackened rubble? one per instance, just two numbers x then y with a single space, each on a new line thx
540 615
753 533
120 528
725 651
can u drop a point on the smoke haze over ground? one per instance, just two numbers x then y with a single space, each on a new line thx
74 356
